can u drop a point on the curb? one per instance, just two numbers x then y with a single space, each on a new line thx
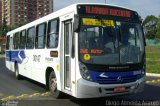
152 75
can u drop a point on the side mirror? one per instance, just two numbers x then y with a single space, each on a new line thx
144 37
76 23
73 46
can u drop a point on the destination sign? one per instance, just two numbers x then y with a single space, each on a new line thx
97 22
108 11
105 11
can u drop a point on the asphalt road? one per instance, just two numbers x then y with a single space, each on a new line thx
29 93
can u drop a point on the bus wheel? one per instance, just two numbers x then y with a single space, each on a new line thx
53 86
17 72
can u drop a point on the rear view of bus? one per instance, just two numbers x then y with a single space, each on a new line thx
111 52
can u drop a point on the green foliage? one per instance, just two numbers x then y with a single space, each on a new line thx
1 31
151 34
4 29
18 25
158 29
149 18
150 26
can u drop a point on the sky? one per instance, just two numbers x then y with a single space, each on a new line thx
143 7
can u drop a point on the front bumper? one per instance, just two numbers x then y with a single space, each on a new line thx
87 89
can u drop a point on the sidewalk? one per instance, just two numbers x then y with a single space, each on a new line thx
152 75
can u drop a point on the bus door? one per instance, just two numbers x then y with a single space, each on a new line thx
67 53
10 50
67 62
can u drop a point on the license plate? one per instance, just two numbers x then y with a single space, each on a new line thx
119 88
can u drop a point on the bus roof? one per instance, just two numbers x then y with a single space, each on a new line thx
104 5
61 12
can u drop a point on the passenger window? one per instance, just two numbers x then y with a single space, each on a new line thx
40 36
22 39
16 40
52 40
30 38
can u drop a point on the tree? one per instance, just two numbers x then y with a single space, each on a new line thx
4 28
150 26
1 30
158 29
17 25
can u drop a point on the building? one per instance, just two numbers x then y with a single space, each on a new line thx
18 12
0 12
31 12
44 7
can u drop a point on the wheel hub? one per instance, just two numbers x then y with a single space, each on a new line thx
53 84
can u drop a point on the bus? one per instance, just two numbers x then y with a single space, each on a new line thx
85 50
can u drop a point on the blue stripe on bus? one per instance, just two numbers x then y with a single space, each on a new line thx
18 56
114 77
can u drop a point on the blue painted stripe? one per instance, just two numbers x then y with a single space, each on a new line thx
18 56
112 77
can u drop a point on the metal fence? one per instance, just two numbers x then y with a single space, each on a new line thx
152 42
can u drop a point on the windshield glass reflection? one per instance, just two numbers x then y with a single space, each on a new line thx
119 44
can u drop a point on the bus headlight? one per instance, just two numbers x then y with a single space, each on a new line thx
84 72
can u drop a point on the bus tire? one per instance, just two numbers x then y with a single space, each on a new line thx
17 72
53 86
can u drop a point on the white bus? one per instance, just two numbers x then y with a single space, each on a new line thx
84 50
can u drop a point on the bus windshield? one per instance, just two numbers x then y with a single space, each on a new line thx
110 42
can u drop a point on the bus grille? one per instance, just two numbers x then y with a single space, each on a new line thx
114 80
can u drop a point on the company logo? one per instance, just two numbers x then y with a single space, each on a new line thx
103 75
119 79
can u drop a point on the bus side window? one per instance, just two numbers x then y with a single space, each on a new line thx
22 39
30 38
16 40
40 36
8 42
53 29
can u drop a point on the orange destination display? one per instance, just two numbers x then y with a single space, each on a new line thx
98 22
108 12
